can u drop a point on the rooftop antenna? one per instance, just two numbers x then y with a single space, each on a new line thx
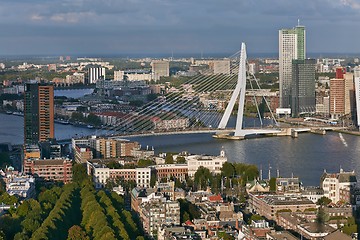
261 173
298 22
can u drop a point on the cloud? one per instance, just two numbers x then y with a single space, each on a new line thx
163 25
351 3
36 17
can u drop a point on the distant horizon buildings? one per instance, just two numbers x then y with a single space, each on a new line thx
292 46
38 112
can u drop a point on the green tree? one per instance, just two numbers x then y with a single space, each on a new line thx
79 173
228 170
180 160
145 163
324 201
272 184
93 119
169 159
77 233
202 178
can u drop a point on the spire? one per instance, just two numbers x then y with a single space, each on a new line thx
298 22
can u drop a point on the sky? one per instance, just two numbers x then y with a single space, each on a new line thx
81 27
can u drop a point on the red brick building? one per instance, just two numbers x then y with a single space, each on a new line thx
50 170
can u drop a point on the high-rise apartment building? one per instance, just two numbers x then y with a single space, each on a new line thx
303 87
38 112
342 93
337 97
160 69
349 93
95 73
357 93
291 47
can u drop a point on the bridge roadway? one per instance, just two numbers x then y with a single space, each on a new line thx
228 131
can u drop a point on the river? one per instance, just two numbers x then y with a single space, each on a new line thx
306 156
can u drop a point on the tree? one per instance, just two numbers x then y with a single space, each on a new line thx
77 233
79 173
93 119
228 170
145 163
255 217
169 159
180 160
323 201
202 178
272 184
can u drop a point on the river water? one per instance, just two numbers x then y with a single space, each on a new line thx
306 156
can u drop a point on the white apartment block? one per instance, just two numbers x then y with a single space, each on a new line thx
337 186
213 163
22 186
132 76
101 174
357 92
95 73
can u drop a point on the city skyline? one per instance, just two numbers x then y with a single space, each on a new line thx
136 27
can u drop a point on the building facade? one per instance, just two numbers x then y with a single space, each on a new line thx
38 112
303 87
357 93
160 69
50 170
95 73
291 47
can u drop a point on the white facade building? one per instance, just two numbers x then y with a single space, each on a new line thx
95 73
101 174
337 186
357 92
213 163
22 186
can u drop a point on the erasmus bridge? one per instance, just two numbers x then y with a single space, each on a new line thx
195 106
206 103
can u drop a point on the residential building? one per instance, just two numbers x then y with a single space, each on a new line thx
287 185
269 205
338 186
21 186
303 87
50 169
38 112
357 93
158 212
101 174
112 148
220 66
349 93
95 73
292 46
338 94
176 171
82 153
160 69
133 75
213 163
313 193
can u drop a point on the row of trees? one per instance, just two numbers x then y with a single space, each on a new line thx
63 216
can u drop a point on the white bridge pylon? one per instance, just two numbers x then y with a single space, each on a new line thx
238 92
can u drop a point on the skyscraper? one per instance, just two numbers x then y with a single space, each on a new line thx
291 47
357 93
303 86
38 112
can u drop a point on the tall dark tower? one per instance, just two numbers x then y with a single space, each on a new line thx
38 112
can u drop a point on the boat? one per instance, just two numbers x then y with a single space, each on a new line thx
65 122
90 126
18 113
